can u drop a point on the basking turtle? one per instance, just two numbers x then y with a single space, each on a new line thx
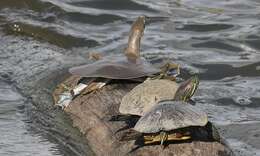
167 121
121 67
145 95
116 67
130 66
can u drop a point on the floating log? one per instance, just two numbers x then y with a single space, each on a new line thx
91 114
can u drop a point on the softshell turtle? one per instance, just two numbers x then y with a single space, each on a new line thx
129 66
145 95
112 67
166 120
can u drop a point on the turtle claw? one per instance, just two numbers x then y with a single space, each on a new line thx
168 68
64 100
163 136
65 87
167 72
79 89
95 56
68 93
93 87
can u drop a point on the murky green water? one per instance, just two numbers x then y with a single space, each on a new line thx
219 40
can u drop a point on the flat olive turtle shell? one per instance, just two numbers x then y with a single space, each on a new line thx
171 115
116 67
145 95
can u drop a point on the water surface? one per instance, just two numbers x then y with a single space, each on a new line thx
217 40
16 136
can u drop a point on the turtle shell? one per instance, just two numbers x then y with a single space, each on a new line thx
116 67
170 115
145 95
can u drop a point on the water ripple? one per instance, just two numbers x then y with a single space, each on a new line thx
218 40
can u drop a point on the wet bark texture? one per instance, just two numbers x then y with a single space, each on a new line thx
91 113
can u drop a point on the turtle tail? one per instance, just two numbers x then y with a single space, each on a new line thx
130 135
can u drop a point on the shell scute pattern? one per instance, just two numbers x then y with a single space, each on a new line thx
144 96
170 115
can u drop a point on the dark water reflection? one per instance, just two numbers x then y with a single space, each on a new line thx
220 71
112 5
205 27
219 40
16 139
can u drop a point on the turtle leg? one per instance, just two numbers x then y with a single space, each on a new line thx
150 139
78 89
91 88
95 56
66 88
94 86
165 69
62 89
163 137
170 66
179 136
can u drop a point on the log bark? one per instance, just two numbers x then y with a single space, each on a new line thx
91 113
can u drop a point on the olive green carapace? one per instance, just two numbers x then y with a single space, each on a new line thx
171 115
144 96
166 122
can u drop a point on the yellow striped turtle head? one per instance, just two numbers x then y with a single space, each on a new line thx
187 89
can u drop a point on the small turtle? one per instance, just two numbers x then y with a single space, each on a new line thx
166 121
145 95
